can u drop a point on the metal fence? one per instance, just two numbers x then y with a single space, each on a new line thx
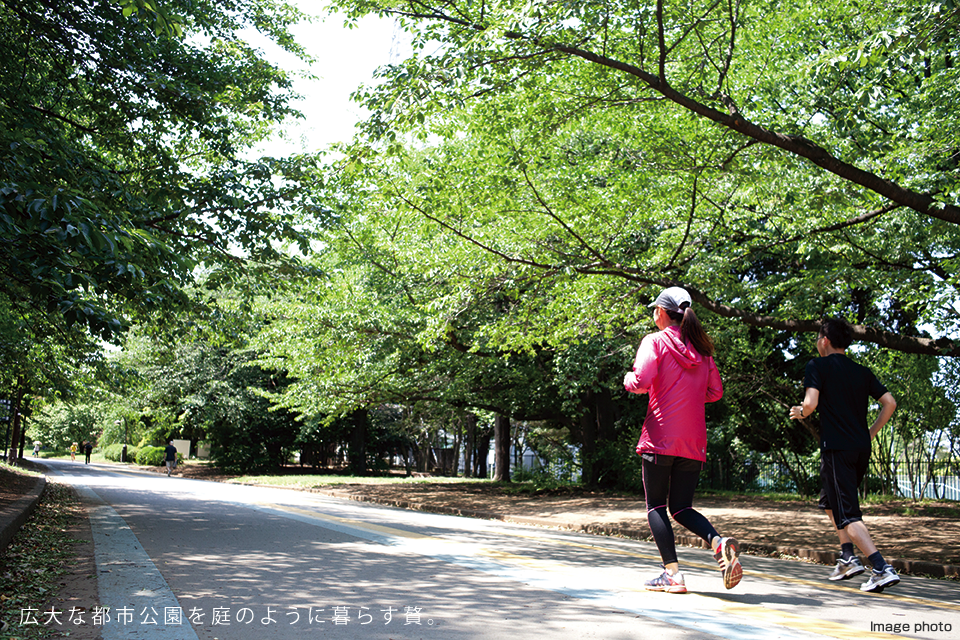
759 474
940 481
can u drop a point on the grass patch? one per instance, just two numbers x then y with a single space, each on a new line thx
96 456
293 477
875 505
320 481
772 496
316 481
24 470
920 508
537 487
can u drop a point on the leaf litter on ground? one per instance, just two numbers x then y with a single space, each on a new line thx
32 563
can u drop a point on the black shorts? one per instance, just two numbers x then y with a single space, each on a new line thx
841 473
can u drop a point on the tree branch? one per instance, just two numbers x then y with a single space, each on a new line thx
834 227
796 145
890 340
61 118
686 232
583 243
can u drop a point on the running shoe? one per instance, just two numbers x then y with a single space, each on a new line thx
728 557
879 580
666 582
847 569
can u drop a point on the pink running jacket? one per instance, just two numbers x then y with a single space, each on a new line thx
680 381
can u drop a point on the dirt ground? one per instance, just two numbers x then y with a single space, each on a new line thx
763 524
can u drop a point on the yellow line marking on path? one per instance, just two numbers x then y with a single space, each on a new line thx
773 617
523 561
533 563
817 584
801 623
777 617
759 613
357 524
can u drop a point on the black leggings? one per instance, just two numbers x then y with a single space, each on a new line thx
678 477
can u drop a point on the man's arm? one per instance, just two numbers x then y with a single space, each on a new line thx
887 406
810 401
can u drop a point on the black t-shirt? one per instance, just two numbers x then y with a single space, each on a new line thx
844 387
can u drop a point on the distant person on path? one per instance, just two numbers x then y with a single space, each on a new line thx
73 452
170 452
676 367
87 450
840 389
36 449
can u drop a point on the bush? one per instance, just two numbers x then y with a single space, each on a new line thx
113 451
151 456
621 467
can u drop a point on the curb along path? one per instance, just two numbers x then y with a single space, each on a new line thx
823 556
14 514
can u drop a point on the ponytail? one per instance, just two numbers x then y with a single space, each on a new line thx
691 331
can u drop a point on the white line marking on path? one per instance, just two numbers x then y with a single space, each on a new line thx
130 584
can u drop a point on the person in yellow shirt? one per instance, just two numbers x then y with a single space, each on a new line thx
73 452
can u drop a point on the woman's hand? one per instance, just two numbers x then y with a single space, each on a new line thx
630 383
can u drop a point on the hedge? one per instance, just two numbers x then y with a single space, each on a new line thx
112 452
151 456
154 456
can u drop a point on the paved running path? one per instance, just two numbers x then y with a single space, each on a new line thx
338 566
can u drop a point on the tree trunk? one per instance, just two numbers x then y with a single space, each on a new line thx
470 444
16 427
501 438
517 448
588 443
596 428
457 443
358 443
481 454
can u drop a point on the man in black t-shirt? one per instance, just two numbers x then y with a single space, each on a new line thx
170 457
840 389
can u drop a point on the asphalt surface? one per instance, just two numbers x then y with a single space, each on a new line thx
251 562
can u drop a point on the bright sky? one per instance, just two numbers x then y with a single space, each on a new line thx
345 59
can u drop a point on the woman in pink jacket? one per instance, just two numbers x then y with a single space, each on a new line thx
675 366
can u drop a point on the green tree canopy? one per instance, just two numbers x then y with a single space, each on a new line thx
780 161
124 154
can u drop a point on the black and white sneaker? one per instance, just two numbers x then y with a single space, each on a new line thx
879 580
847 569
